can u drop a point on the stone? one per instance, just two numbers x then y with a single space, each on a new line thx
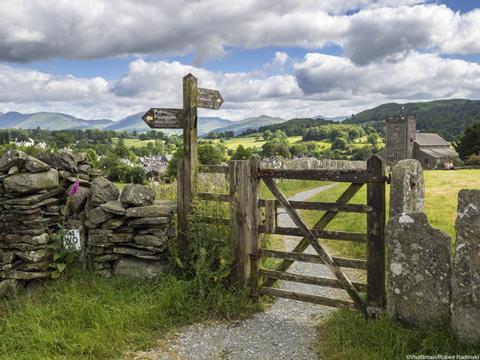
11 158
407 190
61 160
99 237
79 199
103 190
27 183
6 257
25 275
33 199
34 255
143 254
147 221
140 268
418 271
149 211
9 288
112 224
85 168
137 195
34 165
465 306
114 207
13 170
151 240
98 216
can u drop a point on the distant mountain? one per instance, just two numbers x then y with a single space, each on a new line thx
332 118
48 121
448 118
135 122
250 123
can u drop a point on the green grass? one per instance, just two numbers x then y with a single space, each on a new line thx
134 142
441 189
250 142
347 335
82 316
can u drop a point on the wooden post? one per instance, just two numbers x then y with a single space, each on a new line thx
187 166
376 235
270 216
244 218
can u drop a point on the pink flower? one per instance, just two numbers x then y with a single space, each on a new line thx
73 191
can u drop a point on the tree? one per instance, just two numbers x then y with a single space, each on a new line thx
469 143
340 143
267 135
276 147
209 154
242 153
121 149
137 175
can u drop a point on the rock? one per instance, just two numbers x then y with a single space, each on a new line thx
79 199
407 190
103 236
143 254
13 170
114 207
150 211
27 183
9 288
61 160
151 240
6 257
418 271
112 224
139 268
25 275
98 216
79 157
148 221
85 168
34 255
137 195
12 158
103 190
34 165
465 307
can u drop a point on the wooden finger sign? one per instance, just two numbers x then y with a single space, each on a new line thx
163 118
209 99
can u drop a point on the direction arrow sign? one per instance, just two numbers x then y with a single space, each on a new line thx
161 118
209 99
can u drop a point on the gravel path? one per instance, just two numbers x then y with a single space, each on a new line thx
285 331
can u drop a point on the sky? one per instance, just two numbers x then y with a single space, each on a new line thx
290 58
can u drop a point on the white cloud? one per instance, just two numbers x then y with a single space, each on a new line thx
320 84
86 29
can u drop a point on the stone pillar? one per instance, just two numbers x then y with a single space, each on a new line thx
418 271
407 190
465 307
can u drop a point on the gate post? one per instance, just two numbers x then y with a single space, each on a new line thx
376 233
244 220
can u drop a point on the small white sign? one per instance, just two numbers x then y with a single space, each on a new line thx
71 240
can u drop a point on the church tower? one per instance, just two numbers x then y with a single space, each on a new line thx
400 133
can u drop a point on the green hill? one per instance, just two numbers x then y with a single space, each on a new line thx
449 118
295 127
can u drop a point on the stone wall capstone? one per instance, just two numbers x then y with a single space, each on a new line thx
465 307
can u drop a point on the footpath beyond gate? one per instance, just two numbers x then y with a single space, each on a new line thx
251 216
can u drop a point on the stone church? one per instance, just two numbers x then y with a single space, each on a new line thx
403 142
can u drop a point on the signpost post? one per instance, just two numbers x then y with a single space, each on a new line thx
186 119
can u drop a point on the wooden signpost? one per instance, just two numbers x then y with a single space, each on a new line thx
186 119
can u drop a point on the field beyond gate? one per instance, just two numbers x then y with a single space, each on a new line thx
248 221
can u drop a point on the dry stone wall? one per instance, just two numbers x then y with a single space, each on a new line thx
122 232
129 235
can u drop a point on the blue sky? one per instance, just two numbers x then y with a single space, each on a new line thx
291 58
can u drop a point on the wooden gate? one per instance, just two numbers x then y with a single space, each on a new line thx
263 279
246 229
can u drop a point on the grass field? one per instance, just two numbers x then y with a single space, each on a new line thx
82 316
134 142
250 142
345 334
441 189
